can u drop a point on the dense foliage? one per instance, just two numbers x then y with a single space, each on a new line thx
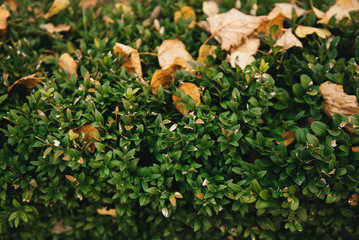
226 158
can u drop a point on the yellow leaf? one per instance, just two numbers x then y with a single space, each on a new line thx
12 4
70 178
355 149
66 158
340 10
187 13
318 13
171 49
288 40
303 31
88 3
210 8
57 6
131 59
232 28
173 200
199 121
104 211
68 64
80 161
205 51
189 89
128 128
29 81
49 27
288 138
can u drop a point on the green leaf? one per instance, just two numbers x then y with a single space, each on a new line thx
152 190
305 81
235 187
16 204
319 128
3 97
294 204
99 117
197 224
300 136
237 170
298 90
12 216
260 204
265 194
302 214
312 140
256 187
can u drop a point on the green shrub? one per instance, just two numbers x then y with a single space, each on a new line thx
225 165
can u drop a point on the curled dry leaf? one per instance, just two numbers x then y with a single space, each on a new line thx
68 64
187 13
287 8
29 81
131 59
51 28
288 40
104 211
210 8
340 10
303 31
275 17
205 51
337 101
56 7
164 76
59 228
172 49
87 131
4 14
241 59
189 89
232 27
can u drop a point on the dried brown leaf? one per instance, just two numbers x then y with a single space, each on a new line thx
241 59
56 7
131 59
303 31
232 28
355 149
68 64
29 81
287 8
187 13
319 14
163 77
250 46
88 132
275 17
199 195
59 228
288 138
88 3
178 195
189 89
12 4
205 51
51 28
210 8
172 49
288 40
4 14
70 178
109 212
340 10
173 200
337 101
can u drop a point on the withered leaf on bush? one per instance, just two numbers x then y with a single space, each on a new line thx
164 76
56 7
210 8
88 132
29 81
189 89
131 59
51 28
68 64
188 13
205 51
340 10
275 17
109 212
288 40
4 14
232 27
171 49
337 101
303 31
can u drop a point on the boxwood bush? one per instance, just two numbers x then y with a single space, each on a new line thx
221 171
